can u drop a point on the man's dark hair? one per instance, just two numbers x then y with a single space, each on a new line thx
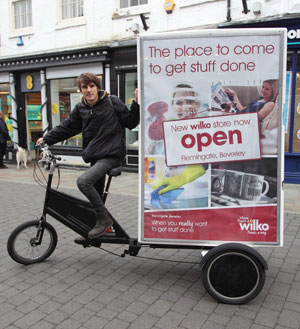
87 78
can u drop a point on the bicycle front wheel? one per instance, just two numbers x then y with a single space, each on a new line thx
32 242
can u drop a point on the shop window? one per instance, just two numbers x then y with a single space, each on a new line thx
64 96
288 99
33 107
22 13
296 127
71 9
5 106
131 3
130 85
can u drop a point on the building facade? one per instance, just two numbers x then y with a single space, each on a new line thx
46 45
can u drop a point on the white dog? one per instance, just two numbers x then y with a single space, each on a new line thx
22 156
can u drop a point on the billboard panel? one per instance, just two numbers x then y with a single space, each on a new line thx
211 137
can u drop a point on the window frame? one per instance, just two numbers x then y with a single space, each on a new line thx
129 4
68 22
22 29
78 3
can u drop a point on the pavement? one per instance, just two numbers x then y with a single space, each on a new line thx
160 289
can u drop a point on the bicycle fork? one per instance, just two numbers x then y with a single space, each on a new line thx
40 229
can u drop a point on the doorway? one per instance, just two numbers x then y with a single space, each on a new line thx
33 118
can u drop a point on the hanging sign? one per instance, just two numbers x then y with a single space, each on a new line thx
30 82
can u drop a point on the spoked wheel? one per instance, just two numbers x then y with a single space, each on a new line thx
232 275
32 242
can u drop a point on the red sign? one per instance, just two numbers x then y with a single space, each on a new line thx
257 224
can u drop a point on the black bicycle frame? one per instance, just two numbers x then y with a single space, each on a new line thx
78 214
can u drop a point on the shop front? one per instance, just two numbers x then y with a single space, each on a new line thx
124 82
39 92
5 102
64 95
6 110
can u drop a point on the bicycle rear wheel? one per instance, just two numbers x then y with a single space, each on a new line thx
32 242
233 276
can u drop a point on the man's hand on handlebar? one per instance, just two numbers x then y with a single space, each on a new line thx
39 141
41 145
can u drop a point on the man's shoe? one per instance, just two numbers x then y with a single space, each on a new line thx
100 227
3 167
80 240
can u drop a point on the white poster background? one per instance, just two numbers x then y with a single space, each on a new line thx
202 62
210 58
212 139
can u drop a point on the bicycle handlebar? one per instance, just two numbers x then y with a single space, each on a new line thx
47 155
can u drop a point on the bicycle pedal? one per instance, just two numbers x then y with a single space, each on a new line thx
82 242
89 243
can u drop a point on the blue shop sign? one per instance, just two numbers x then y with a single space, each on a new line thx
293 35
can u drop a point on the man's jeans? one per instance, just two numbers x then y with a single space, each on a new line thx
2 153
93 176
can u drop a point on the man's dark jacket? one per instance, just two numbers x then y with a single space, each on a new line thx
4 134
101 127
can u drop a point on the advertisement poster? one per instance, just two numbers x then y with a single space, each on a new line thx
211 137
34 112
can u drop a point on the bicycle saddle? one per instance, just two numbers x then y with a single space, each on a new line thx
115 171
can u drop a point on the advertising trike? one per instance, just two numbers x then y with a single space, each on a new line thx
210 159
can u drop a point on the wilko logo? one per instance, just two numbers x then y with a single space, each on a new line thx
200 125
254 226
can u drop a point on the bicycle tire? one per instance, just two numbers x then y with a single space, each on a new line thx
20 244
233 276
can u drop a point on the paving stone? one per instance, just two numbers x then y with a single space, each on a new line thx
294 296
30 319
43 325
246 313
194 320
150 296
116 324
128 316
82 315
219 318
159 308
19 299
212 325
69 324
170 320
258 326
10 317
205 305
107 314
57 317
292 306
273 302
145 321
239 323
267 317
95 323
137 307
71 307
28 306
289 319
184 305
